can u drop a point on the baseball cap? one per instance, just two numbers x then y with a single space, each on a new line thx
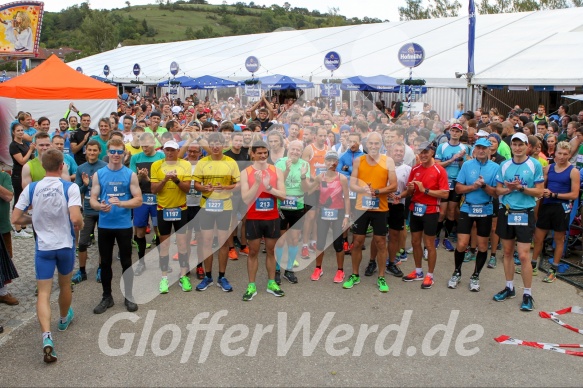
345 127
456 126
172 144
155 113
424 146
331 155
482 133
176 109
520 136
483 142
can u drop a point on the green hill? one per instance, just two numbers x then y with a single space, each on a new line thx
94 31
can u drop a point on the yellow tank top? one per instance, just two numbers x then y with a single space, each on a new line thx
377 177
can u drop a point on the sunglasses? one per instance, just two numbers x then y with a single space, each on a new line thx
114 152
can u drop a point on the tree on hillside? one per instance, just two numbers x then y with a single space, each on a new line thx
128 6
505 6
98 32
414 9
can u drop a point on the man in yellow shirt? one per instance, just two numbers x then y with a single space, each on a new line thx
216 176
170 181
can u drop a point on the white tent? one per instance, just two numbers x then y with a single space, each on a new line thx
529 48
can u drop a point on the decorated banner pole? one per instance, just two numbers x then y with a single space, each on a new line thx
332 62
410 55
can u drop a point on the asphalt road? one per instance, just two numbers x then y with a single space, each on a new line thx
314 336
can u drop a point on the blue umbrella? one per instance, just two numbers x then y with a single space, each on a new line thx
106 80
208 82
281 82
378 83
182 79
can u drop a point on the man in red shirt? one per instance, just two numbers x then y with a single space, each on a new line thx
427 185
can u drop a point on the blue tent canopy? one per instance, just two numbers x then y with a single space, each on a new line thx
106 80
378 83
182 79
282 82
208 82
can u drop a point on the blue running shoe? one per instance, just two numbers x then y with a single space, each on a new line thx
447 245
64 325
224 284
98 275
437 243
78 277
204 284
527 303
516 259
403 256
49 351
506 293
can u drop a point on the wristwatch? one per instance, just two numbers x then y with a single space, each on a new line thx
176 181
426 191
377 192
303 177
484 186
521 189
268 188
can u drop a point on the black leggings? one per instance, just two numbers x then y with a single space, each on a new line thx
17 187
336 226
106 240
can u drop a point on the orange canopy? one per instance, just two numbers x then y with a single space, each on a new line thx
54 80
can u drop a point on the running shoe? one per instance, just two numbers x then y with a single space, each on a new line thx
427 282
290 277
224 284
250 292
233 255
134 244
78 277
148 245
437 243
64 325
403 256
469 256
349 252
185 284
164 286
296 264
22 234
369 230
371 268
193 242
204 284
312 247
550 278
516 259
148 229
98 275
409 250
425 253
175 257
454 280
506 293
527 303
413 276
346 247
305 252
518 269
274 289
130 306
278 277
155 240
475 284
244 251
382 284
339 277
49 351
199 273
394 270
317 274
140 268
447 245
492 262
535 271
352 280
105 303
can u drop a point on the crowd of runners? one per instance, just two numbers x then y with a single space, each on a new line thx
284 182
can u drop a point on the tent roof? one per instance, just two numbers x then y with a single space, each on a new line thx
278 81
54 80
376 83
511 49
208 82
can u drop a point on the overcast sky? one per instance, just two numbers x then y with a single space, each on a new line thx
350 8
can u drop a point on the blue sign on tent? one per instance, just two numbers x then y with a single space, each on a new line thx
79 69
137 70
174 68
411 55
330 90
252 64
106 70
332 61
253 90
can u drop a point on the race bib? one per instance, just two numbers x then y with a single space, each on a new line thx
115 190
289 203
194 193
329 214
480 210
567 207
172 214
215 205
371 203
264 204
149 199
419 209
451 185
518 219
351 195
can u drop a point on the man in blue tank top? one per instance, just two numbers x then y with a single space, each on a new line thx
562 188
114 193
519 182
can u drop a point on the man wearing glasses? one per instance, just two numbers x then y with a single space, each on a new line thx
115 191
170 181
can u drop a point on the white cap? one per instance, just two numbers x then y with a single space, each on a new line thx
176 109
482 133
171 144
520 136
